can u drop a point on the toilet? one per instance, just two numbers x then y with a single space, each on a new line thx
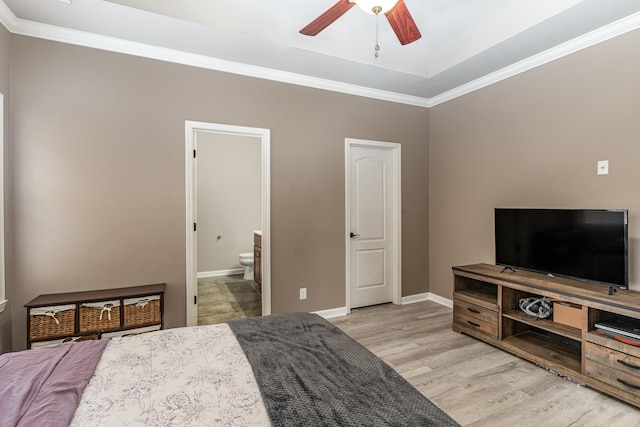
246 260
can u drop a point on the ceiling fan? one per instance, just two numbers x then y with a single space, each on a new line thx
395 10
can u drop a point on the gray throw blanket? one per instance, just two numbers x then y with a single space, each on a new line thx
310 373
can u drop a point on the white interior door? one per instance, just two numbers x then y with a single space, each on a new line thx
373 223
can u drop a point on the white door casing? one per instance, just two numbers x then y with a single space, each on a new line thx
373 215
191 129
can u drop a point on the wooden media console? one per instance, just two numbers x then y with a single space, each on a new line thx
486 306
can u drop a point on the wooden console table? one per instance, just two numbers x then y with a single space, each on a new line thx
485 301
76 316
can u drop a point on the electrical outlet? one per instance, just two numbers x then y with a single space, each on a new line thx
603 167
303 293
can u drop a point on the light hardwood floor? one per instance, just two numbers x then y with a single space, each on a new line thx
475 383
223 298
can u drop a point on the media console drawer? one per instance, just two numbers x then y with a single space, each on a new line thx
475 317
611 366
614 377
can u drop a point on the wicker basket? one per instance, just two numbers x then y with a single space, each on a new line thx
51 322
99 317
142 311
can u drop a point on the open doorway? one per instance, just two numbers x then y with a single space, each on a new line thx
229 218
219 226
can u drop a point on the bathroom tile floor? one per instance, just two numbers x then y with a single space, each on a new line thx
227 297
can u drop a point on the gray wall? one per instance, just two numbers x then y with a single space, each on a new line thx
98 174
5 54
534 141
229 187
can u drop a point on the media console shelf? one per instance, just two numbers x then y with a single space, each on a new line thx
485 302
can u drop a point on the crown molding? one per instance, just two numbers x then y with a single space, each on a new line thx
622 26
81 38
7 18
112 44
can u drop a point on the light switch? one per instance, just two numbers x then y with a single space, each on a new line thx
603 167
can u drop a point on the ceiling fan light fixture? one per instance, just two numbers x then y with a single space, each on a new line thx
395 12
369 5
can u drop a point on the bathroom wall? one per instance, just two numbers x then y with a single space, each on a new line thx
229 187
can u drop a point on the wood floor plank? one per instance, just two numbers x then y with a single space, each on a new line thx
223 298
475 383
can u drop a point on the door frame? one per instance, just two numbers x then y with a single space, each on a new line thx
396 201
191 128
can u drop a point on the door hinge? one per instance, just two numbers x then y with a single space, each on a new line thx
194 226
195 299
194 153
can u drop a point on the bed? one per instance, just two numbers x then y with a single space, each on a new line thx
293 369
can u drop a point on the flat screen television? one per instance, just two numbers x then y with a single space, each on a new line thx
585 244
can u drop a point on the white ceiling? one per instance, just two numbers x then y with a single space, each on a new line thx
464 42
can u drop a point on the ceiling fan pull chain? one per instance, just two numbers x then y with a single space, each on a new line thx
377 10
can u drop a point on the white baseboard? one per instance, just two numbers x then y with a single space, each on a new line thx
332 312
427 296
440 300
232 272
415 298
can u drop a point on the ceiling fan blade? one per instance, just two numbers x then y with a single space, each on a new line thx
403 24
324 20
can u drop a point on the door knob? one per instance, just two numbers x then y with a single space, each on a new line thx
352 235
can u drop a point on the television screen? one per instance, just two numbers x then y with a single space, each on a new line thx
590 245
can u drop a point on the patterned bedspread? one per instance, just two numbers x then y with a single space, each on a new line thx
283 370
196 376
